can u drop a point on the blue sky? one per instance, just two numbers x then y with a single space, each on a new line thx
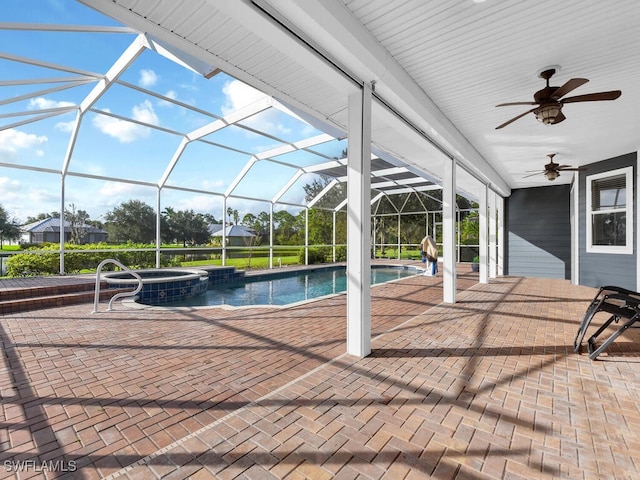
108 146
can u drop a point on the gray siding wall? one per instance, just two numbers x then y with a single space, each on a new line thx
539 232
598 269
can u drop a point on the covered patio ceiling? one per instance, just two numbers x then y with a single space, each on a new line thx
439 68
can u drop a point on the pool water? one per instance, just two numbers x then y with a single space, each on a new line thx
299 286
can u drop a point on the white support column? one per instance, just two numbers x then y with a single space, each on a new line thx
359 224
334 235
500 208
493 249
575 235
306 236
271 235
62 180
158 223
483 228
637 236
399 245
224 231
374 223
449 232
459 234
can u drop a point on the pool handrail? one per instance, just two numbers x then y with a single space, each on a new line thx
96 300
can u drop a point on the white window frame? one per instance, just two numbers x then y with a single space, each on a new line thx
614 249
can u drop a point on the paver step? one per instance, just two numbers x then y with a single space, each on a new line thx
46 290
49 297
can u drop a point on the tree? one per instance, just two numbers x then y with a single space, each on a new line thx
166 232
9 228
186 227
132 221
233 213
321 220
262 222
77 221
249 220
470 229
43 216
286 228
210 218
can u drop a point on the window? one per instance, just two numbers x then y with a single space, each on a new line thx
610 211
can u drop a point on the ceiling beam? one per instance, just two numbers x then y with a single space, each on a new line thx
331 26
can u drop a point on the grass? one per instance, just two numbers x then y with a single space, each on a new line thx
244 263
405 254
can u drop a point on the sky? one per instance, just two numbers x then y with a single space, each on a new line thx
108 146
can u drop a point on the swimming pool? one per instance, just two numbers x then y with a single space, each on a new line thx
283 289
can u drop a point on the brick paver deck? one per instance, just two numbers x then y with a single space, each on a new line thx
486 388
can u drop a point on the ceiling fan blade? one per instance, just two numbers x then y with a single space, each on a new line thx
516 103
593 97
572 169
568 87
515 118
537 173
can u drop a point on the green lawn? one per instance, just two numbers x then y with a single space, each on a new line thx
244 263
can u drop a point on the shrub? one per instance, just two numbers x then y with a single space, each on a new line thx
75 260
32 264
316 255
323 254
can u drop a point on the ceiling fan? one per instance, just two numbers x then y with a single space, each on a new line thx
552 169
549 100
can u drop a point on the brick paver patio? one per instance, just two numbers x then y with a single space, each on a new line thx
487 388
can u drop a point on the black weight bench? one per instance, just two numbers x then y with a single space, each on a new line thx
619 303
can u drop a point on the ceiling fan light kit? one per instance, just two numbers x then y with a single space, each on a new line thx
552 169
551 174
547 113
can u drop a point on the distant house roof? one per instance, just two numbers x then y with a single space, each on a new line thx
52 224
233 231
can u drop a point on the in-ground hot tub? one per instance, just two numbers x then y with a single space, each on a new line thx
162 285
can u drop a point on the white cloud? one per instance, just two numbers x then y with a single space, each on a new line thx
12 140
41 103
114 189
239 95
9 186
148 78
113 194
42 196
66 127
144 113
200 204
170 94
127 132
212 185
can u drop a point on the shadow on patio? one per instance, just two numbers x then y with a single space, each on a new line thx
487 388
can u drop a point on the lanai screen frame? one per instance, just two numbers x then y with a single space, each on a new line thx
389 176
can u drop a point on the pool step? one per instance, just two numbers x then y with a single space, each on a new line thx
37 297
